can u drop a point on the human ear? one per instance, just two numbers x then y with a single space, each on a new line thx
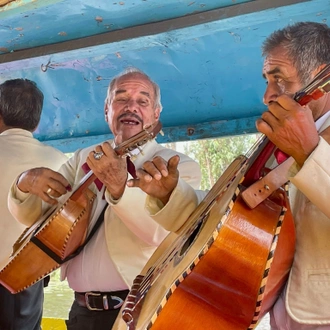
157 113
106 109
318 69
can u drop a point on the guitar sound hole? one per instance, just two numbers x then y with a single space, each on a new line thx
190 240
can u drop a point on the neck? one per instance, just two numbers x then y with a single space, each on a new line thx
326 106
327 103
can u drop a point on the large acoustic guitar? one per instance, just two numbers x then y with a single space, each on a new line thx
224 269
55 237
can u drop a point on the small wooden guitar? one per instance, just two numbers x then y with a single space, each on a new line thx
224 269
53 239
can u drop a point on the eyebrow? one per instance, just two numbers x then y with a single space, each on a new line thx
119 91
274 71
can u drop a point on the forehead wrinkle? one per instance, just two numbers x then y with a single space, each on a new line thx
119 91
145 93
273 71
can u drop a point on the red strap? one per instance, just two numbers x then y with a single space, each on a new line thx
280 156
97 182
131 167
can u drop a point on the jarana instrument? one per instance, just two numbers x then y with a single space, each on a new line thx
55 237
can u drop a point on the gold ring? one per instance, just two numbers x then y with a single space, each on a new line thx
49 190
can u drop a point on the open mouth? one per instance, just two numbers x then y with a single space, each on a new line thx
130 121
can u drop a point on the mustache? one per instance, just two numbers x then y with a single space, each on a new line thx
130 115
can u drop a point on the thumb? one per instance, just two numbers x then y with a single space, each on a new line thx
173 163
118 139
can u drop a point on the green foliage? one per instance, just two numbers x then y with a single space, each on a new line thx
215 155
55 275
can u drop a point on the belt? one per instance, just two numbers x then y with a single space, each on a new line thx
101 301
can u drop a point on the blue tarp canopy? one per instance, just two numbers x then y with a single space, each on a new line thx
205 55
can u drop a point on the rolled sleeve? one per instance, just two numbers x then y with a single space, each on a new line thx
24 207
181 204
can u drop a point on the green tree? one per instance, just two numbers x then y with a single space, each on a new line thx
215 155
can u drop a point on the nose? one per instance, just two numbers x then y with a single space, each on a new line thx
272 92
131 106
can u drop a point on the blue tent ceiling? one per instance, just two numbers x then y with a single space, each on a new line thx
205 55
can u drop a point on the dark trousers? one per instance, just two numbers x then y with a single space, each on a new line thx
23 310
81 318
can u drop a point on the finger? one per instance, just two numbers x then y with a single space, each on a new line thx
92 160
269 118
263 127
48 199
118 139
59 182
56 189
143 175
133 183
284 107
37 180
150 169
98 149
96 154
108 150
288 103
161 165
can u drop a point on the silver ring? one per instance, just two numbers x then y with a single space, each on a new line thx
49 190
98 155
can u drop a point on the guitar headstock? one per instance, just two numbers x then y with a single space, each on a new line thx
136 141
316 89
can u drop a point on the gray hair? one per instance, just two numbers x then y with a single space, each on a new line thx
307 45
21 103
134 71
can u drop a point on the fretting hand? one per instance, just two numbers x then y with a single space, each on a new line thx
290 127
109 168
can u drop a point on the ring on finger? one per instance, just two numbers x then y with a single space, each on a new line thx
98 155
49 190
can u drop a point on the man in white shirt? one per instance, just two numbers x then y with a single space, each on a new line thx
20 109
104 271
293 57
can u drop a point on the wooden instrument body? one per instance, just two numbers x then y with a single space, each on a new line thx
226 271
63 232
43 247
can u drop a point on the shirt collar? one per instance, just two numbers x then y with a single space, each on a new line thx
17 131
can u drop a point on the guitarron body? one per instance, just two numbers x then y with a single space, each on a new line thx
223 270
227 265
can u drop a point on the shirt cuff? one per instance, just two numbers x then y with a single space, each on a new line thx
19 194
110 199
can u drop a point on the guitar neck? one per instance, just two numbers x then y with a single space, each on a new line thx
86 181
